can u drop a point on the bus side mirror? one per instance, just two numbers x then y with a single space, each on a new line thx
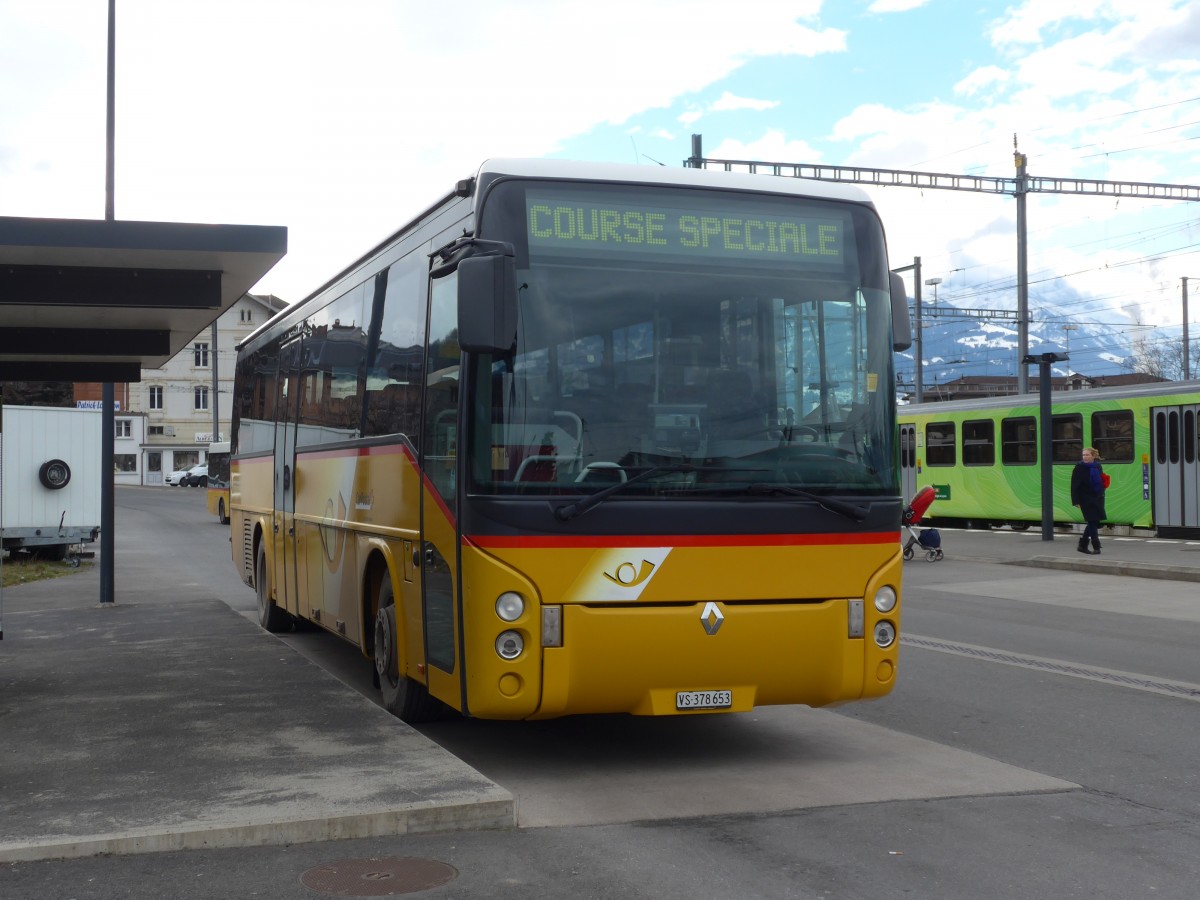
487 303
901 327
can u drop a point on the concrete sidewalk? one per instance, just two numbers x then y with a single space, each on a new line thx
151 726
1134 556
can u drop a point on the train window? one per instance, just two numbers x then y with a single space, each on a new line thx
1189 436
979 443
1018 441
1066 438
1112 435
939 444
908 447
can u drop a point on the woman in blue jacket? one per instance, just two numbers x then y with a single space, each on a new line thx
1087 492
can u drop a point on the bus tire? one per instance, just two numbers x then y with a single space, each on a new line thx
404 698
221 513
270 616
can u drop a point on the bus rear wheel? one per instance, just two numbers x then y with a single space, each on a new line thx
221 514
402 697
270 616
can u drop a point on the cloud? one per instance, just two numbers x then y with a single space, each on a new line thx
728 102
1026 23
894 6
772 146
985 77
339 123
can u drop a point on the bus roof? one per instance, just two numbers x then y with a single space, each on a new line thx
668 175
613 173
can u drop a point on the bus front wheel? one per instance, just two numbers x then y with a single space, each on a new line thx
402 697
270 616
221 514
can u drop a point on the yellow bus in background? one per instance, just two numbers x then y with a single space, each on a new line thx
588 438
218 480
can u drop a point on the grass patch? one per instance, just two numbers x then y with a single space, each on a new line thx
22 569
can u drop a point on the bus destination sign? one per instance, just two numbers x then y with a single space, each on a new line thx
559 224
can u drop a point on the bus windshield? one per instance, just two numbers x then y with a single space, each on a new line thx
699 342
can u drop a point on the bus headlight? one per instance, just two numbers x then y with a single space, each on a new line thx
885 634
510 645
885 599
510 606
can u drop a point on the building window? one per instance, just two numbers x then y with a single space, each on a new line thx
201 398
123 428
247 315
156 397
124 462
200 354
155 430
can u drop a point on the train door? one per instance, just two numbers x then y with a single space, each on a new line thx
439 519
286 411
908 462
1176 467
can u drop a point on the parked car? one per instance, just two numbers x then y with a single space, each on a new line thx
197 476
177 477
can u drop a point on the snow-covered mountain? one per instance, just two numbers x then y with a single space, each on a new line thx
956 344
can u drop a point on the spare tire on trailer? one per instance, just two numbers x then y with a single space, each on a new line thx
54 474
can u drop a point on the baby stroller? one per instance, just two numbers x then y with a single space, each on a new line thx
927 538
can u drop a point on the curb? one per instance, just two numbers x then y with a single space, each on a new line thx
1112 567
1096 567
416 819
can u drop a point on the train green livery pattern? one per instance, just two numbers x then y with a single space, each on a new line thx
1116 418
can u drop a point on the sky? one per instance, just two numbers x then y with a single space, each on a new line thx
343 120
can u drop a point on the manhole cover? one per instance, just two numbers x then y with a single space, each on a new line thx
385 877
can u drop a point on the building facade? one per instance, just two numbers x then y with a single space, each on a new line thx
166 421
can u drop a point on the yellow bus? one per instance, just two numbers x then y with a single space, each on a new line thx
588 438
218 480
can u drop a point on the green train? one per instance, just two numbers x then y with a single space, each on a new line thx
982 457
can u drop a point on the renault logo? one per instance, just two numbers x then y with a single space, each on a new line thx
712 617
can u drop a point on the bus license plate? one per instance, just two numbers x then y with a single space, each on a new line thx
703 699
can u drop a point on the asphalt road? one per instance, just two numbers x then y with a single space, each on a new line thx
1040 743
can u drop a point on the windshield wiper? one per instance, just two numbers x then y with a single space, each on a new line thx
849 510
569 511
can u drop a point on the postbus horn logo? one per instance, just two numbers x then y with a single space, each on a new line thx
628 575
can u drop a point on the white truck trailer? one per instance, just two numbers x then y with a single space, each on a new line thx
49 478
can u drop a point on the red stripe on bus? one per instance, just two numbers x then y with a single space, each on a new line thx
544 541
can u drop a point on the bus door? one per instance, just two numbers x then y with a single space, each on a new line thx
439 519
908 462
286 411
1176 466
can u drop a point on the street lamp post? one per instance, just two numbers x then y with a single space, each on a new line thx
934 282
1068 329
